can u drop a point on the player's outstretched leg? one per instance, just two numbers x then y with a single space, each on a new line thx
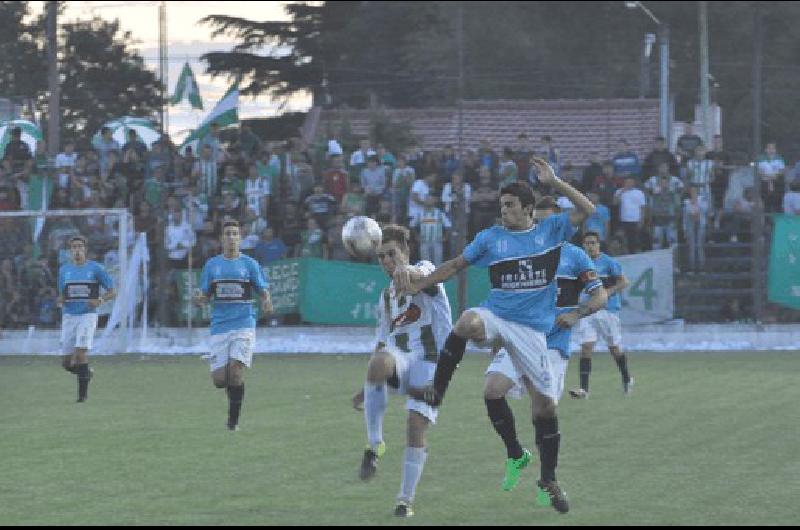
469 327
381 366
622 364
495 389
66 363
414 459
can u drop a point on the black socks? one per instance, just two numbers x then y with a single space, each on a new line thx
503 421
449 357
235 398
83 381
586 369
547 432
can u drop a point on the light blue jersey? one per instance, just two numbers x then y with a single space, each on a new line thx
609 271
597 221
77 284
522 269
575 274
230 282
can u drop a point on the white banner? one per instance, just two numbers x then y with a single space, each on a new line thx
650 297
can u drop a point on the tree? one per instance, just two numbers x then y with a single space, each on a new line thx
25 75
102 78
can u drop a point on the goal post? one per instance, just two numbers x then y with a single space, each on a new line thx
33 247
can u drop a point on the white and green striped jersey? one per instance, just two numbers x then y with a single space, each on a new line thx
432 224
415 325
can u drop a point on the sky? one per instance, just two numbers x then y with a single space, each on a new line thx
187 40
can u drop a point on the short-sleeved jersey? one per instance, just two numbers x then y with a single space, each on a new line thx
522 269
609 271
415 325
576 274
77 284
230 283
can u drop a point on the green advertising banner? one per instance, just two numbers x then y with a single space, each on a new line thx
284 285
784 262
330 292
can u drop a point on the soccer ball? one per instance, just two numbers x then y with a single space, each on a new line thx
361 237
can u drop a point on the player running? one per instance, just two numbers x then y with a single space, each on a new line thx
229 281
605 323
411 330
79 297
522 256
575 274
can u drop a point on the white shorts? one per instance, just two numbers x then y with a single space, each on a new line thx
501 364
77 331
415 373
604 324
234 345
527 349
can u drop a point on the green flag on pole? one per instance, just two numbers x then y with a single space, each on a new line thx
784 262
187 89
225 114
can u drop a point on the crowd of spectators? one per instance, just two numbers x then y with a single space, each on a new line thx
292 199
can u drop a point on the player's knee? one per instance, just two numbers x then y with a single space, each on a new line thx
378 368
417 425
544 410
586 351
496 387
470 326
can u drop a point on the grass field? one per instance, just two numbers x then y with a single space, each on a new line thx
705 439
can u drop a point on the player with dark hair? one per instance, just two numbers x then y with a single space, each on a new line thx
411 330
575 274
229 281
79 297
522 256
604 324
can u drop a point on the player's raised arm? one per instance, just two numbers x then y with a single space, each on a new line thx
411 279
583 206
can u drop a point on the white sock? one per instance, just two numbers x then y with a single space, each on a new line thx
413 463
375 400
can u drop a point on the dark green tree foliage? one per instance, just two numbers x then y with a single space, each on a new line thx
22 71
102 78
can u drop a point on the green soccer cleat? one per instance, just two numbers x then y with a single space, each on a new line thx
513 468
542 497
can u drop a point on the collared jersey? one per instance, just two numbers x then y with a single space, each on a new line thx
231 282
78 284
522 269
576 274
416 325
609 270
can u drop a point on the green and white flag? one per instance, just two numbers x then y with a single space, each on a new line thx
187 89
225 114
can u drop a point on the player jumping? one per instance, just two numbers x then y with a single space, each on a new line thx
575 274
522 256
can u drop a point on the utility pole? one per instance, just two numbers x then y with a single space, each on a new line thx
704 90
758 211
54 101
460 208
163 70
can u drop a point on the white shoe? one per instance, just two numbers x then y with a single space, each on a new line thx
579 393
627 388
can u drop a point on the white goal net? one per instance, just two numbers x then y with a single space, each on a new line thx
33 245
